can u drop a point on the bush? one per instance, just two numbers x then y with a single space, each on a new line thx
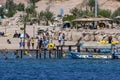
68 18
104 13
20 7
10 13
116 12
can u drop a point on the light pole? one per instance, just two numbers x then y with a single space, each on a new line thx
96 12
33 30
25 17
6 11
96 8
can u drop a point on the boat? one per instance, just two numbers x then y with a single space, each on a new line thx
101 52
78 55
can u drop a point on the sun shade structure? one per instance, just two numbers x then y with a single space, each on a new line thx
91 19
118 17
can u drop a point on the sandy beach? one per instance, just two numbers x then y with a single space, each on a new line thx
72 36
29 29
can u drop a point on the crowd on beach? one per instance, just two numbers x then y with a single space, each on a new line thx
44 41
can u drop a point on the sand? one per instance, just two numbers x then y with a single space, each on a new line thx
29 29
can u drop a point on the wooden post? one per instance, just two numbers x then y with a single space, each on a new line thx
45 54
39 54
50 54
36 54
78 48
70 48
16 53
54 50
21 54
61 53
113 51
57 51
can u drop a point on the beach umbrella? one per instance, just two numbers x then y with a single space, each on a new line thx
22 36
26 36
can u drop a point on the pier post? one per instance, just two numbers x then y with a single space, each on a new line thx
16 53
21 54
36 54
44 53
70 48
39 53
50 54
78 48
61 53
57 51
113 51
54 50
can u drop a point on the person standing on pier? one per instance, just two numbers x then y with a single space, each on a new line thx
32 43
110 39
28 43
21 43
24 43
59 39
63 39
40 43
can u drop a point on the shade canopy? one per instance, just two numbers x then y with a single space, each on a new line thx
118 17
91 19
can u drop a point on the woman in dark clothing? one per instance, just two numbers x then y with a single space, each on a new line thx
40 43
110 39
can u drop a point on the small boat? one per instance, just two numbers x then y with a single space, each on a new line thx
78 55
96 53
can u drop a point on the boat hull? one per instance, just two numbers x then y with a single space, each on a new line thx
91 56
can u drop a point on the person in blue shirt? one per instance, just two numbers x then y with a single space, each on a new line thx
20 43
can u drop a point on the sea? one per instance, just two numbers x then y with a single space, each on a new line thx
59 69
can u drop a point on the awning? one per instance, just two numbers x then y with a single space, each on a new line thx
91 19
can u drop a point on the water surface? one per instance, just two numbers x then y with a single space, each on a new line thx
59 69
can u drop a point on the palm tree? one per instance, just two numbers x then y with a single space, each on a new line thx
49 16
2 12
46 16
76 12
91 4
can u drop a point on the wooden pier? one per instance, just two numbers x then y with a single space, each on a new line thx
40 53
56 53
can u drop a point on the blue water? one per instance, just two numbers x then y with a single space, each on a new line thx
59 69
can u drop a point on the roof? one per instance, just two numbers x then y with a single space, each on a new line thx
91 19
118 17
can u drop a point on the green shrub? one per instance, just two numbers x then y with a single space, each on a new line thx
68 18
116 12
104 13
20 7
10 13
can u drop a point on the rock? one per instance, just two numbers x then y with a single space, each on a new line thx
86 38
98 37
92 37
119 38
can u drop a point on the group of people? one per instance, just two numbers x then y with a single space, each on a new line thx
61 39
40 42
43 41
109 38
30 42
